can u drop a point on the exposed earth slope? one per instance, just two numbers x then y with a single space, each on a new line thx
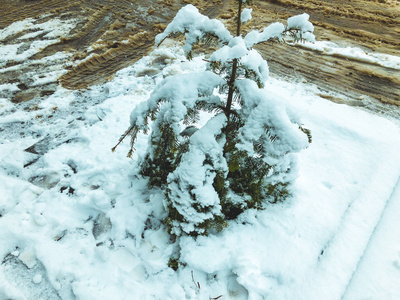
106 36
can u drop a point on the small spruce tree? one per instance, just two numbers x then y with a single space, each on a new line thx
245 155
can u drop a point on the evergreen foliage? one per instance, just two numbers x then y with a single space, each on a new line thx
244 156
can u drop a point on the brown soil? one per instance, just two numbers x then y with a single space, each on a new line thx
119 32
370 25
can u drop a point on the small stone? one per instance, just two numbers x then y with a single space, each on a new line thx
37 278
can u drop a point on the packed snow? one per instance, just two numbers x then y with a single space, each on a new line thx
78 223
330 48
52 31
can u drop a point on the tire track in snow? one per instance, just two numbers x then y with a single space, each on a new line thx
374 234
341 256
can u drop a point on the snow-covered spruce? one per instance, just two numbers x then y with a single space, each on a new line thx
244 156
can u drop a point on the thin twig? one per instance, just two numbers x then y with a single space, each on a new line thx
123 137
194 281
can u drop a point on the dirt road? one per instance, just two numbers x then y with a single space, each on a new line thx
108 35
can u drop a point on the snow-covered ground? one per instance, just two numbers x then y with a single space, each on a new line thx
77 223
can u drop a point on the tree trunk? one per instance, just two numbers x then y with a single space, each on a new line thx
234 68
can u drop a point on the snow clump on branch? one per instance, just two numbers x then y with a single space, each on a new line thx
246 15
190 21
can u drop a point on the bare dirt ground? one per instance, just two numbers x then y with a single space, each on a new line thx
112 34
370 25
